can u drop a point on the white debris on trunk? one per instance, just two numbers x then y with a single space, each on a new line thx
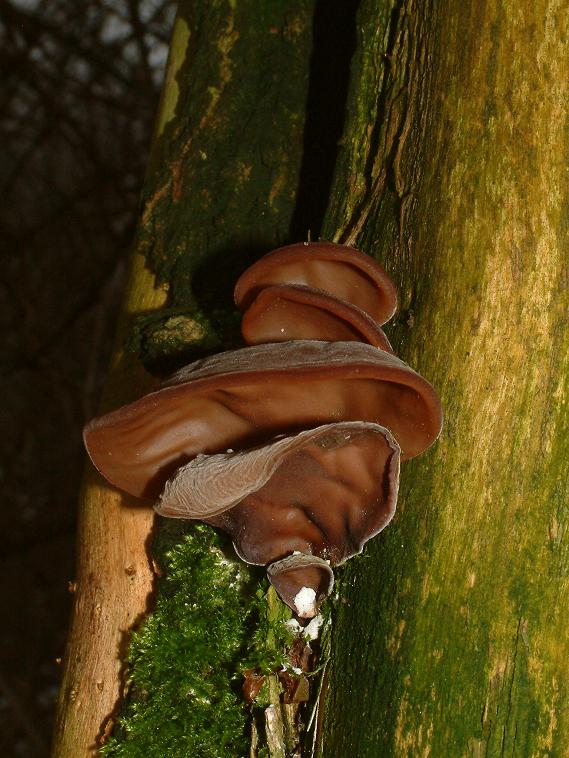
305 602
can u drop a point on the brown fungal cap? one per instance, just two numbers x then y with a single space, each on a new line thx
243 398
291 312
338 270
323 492
312 498
303 582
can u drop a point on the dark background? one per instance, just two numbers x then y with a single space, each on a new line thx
78 96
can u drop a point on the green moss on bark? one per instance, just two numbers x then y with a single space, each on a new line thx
185 661
211 622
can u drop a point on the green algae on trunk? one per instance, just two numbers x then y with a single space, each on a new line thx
460 646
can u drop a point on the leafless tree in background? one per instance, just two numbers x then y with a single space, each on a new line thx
79 91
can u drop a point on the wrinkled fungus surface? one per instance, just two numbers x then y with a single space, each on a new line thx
322 492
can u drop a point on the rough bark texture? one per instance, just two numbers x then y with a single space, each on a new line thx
451 640
114 577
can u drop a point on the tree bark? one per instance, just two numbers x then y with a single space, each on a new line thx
114 575
220 191
451 637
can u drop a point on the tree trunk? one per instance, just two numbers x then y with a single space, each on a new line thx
220 191
449 639
114 576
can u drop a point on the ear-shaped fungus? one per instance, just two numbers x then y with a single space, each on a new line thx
289 312
243 398
319 422
337 270
320 495
323 492
302 581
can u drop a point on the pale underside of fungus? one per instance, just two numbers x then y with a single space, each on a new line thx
291 445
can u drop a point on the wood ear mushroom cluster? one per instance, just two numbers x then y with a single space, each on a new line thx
292 445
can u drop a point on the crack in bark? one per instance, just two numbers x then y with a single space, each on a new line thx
519 632
398 109
334 43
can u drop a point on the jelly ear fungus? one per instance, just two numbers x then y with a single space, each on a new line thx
291 445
